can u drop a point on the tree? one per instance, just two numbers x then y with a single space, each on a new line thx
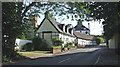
15 19
110 12
12 22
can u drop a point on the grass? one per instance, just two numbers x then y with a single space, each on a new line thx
45 52
32 54
28 55
56 47
40 51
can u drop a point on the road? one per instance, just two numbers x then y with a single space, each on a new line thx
80 56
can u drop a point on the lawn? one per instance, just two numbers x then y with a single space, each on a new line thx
34 54
45 52
28 55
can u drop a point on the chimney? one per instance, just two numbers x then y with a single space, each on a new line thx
36 21
46 14
79 22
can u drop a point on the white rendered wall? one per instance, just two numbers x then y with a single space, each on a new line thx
66 38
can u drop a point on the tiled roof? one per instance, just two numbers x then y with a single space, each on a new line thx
80 27
56 24
59 27
83 36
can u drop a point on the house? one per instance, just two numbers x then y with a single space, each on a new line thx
82 29
50 29
83 40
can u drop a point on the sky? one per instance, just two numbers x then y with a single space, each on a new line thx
96 27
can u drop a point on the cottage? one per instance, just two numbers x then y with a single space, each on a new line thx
49 30
82 29
83 40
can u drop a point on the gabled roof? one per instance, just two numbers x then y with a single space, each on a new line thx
70 30
61 26
80 27
56 25
83 36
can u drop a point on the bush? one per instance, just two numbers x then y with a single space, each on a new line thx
73 46
27 46
57 42
68 45
6 59
40 44
56 47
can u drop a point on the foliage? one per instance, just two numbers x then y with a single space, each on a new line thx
74 10
40 44
11 28
97 40
27 46
102 40
73 46
69 45
56 47
57 42
110 12
6 59
16 21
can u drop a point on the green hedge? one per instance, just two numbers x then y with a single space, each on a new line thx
56 47
27 46
57 42
68 45
40 44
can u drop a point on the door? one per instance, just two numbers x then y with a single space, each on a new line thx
48 37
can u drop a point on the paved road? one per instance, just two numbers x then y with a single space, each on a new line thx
81 56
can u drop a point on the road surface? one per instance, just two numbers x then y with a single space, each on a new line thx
80 56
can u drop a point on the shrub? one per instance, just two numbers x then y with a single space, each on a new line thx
6 59
68 45
27 46
57 42
56 47
40 44
73 46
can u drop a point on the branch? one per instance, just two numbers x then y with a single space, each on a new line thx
31 5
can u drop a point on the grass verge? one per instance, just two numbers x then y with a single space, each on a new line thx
45 52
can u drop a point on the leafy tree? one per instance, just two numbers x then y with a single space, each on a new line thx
102 40
97 40
110 12
15 19
12 27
